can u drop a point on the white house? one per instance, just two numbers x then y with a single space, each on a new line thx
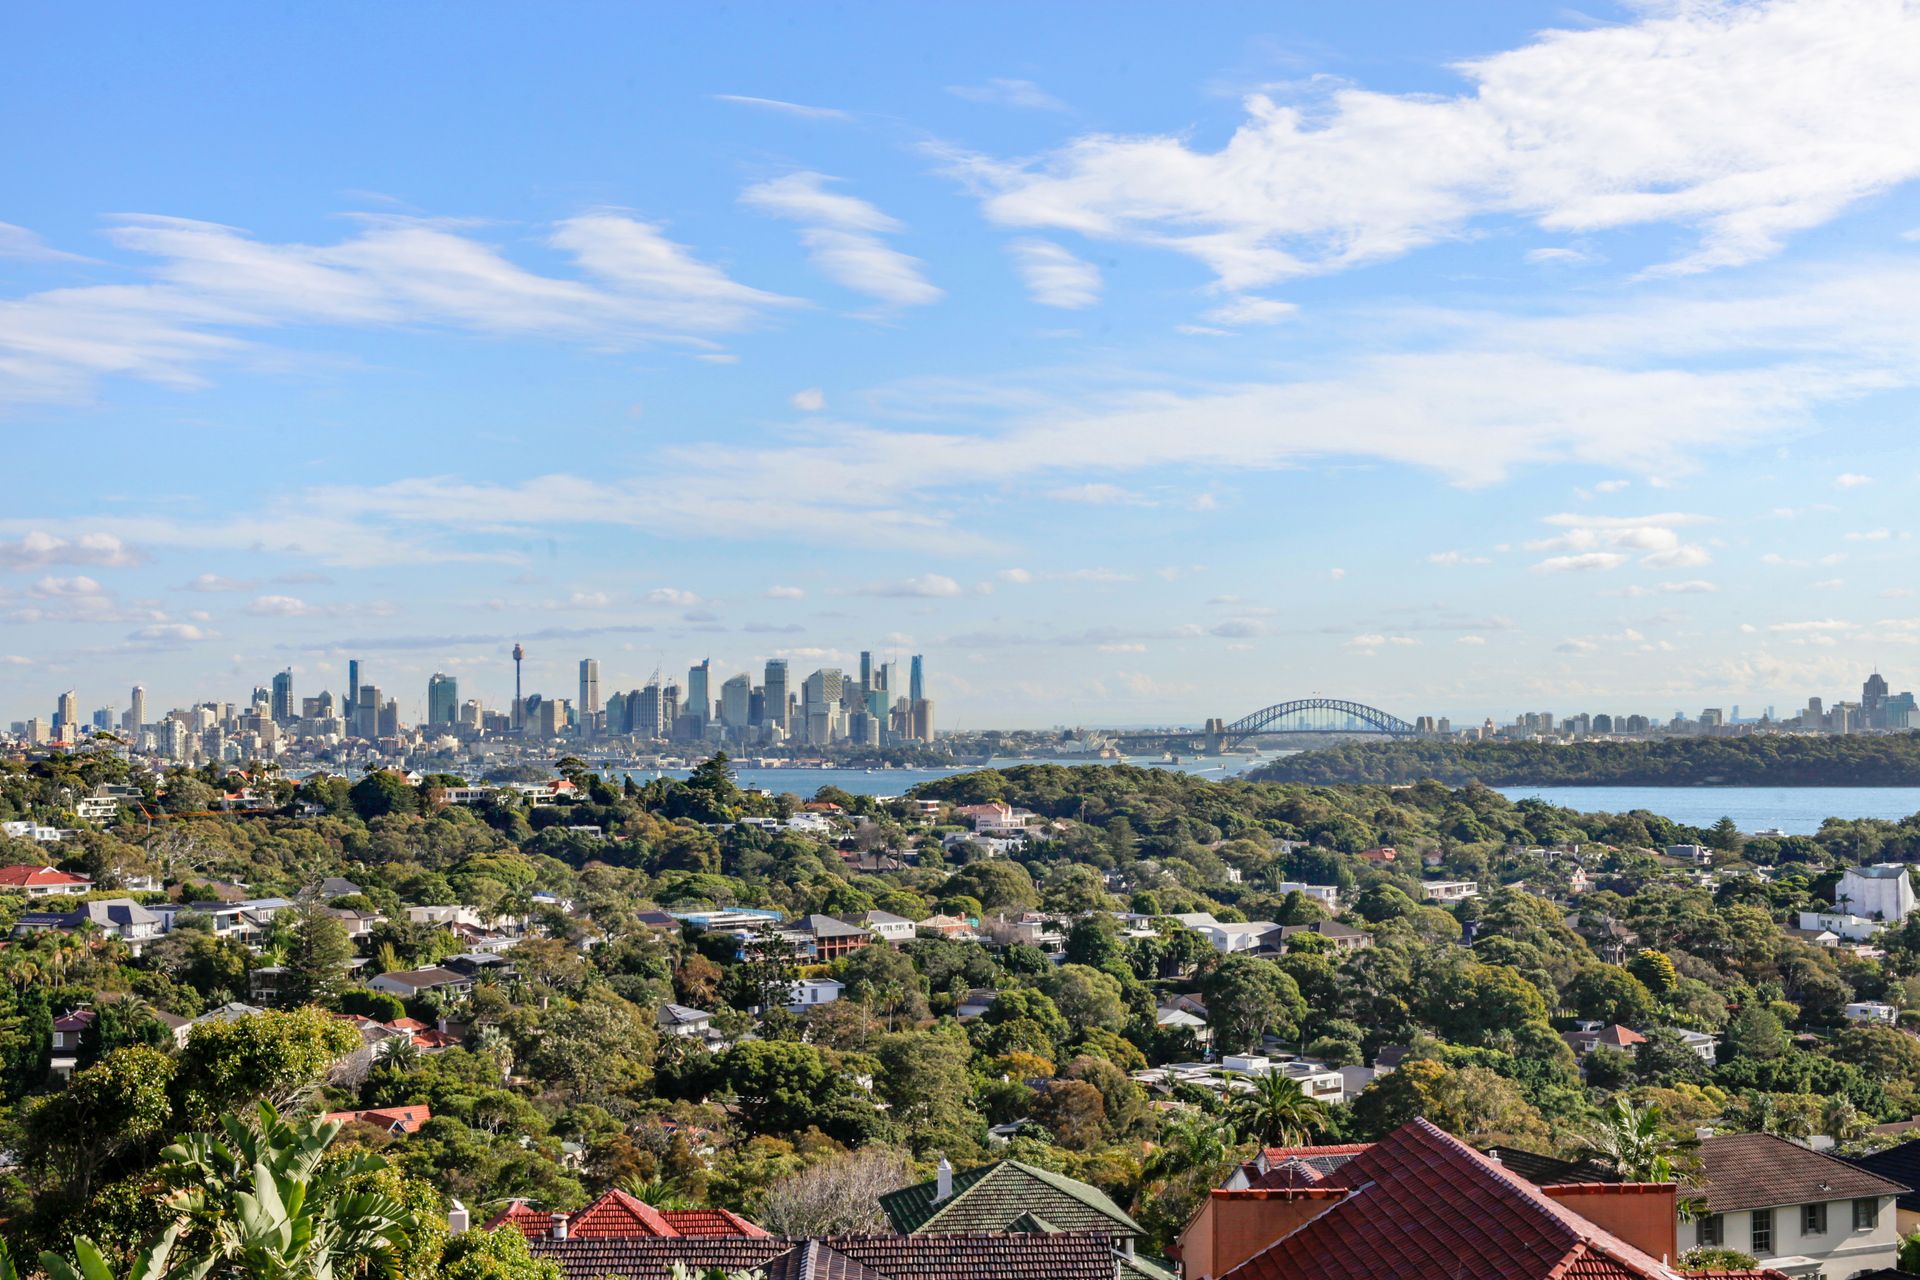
808 992
1841 924
886 926
1796 1210
1233 936
1872 1011
1327 893
1880 892
412 982
1449 890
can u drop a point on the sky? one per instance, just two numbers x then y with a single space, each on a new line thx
1134 363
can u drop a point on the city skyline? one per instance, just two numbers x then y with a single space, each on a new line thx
1282 363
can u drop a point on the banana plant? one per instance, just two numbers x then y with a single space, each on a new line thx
88 1263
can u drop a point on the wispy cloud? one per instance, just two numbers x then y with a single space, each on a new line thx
842 237
1024 94
1054 277
785 108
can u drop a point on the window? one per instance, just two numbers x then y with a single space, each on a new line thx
1813 1219
1761 1243
1712 1230
1866 1214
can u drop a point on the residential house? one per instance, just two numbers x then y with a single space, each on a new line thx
1183 1020
33 831
443 916
1592 1035
1798 1211
1032 929
943 926
1880 892
1383 856
884 925
394 1120
1420 1203
1841 924
1340 936
68 1030
806 993
1694 853
339 887
620 1216
1610 939
1899 1164
414 982
1873 1011
42 882
122 918
1031 1256
679 1020
1233 937
1014 1197
1449 890
824 938
1325 893
975 1003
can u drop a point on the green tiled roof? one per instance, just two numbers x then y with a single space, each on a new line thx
992 1197
1140 1267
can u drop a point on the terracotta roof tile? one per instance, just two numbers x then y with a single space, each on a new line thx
1071 1256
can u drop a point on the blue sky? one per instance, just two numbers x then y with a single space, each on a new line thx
1135 363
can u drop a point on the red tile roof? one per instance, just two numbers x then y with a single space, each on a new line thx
22 876
617 1215
1420 1194
1062 1256
407 1119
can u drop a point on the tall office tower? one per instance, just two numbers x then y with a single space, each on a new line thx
736 704
136 716
281 705
443 699
669 707
519 702
103 720
589 704
866 674
776 694
916 681
645 712
757 707
616 711
366 711
353 690
66 719
922 726
472 714
1873 695
699 701
820 708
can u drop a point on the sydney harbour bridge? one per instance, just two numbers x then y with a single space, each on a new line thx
1323 717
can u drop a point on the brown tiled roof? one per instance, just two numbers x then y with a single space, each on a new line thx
1064 1256
711 1222
1759 1171
1420 1195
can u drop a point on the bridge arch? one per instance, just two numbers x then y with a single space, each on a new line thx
1359 717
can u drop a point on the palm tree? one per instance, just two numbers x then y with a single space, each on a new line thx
88 1263
661 1193
1276 1114
1197 1142
1634 1142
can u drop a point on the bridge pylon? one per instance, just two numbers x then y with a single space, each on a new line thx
1216 735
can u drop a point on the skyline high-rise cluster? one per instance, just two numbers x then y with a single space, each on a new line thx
824 708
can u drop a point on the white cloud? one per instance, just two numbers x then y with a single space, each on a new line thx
209 583
1575 645
24 245
1830 584
1557 256
1470 640
1816 625
1017 576
842 237
810 400
1851 480
926 585
1024 94
1054 276
66 588
1611 486
675 596
1248 309
1129 647
1336 574
35 549
1870 535
1453 559
210 283
281 607
785 108
1710 116
1100 495
589 600
1587 560
168 633
786 593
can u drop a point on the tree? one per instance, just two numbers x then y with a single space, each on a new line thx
381 793
494 1255
317 957
1724 835
1664 1059
1634 1141
107 1111
1755 1032
278 1057
1246 998
1610 994
923 1080
1710 1258
1073 1111
156 1263
1654 969
1087 998
839 1196
1275 1113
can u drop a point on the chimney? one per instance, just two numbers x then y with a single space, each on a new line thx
559 1225
943 1182
458 1219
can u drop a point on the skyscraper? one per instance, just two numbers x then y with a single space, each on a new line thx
588 706
822 717
916 681
66 720
137 711
866 674
1873 696
353 690
775 685
699 703
280 706
736 704
443 699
